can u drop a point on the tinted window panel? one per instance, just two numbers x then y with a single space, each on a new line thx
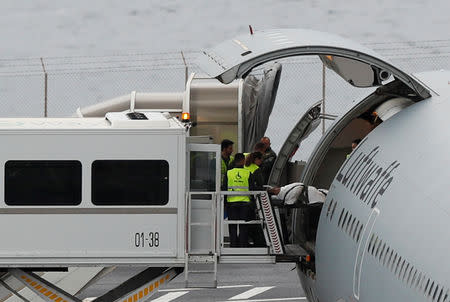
39 182
130 182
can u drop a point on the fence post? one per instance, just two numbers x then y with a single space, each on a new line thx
45 87
186 68
323 96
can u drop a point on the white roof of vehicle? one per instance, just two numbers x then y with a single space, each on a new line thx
156 120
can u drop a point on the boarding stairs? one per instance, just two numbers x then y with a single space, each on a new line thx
207 241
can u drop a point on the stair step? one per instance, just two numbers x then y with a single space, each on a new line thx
202 259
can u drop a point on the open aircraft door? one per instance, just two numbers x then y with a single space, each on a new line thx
304 127
358 65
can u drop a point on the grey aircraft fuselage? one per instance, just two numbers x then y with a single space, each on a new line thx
386 236
383 232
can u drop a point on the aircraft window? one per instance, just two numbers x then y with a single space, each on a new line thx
351 226
340 217
410 274
447 294
405 273
370 243
419 278
435 291
413 277
393 262
390 260
440 294
386 256
355 230
348 222
42 182
431 289
422 281
426 286
382 251
345 219
329 207
374 245
398 264
332 211
130 182
401 269
378 248
359 233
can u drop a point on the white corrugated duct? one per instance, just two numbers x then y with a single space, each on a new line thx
167 101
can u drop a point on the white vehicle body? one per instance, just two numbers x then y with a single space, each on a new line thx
85 233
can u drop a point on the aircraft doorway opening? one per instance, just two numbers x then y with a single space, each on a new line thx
334 149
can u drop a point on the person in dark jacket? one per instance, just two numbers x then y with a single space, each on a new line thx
252 163
269 155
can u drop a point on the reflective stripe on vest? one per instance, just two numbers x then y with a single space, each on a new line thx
238 181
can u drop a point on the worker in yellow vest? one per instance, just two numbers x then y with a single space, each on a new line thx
239 208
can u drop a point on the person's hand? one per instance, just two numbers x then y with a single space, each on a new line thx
274 191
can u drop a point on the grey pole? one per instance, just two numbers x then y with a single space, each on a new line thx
323 96
45 87
186 69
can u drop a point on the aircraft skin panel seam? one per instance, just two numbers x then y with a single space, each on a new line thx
406 272
362 251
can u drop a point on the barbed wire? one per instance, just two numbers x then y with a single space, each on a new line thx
189 54
175 53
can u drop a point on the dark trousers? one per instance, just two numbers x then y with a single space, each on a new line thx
239 211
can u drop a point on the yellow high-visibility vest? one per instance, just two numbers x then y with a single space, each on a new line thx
224 167
238 181
252 168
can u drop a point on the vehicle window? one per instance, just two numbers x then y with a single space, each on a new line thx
130 182
42 182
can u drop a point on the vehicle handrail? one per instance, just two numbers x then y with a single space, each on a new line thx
240 193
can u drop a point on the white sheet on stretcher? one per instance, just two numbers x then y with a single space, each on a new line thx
290 193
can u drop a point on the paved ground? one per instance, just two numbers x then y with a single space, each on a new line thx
238 283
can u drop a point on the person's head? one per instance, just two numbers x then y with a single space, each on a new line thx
355 143
254 158
266 141
226 147
239 160
260 147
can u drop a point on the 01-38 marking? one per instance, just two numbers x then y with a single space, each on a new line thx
143 239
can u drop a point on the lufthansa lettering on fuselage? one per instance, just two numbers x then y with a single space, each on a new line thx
365 178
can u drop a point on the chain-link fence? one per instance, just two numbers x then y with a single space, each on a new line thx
57 86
